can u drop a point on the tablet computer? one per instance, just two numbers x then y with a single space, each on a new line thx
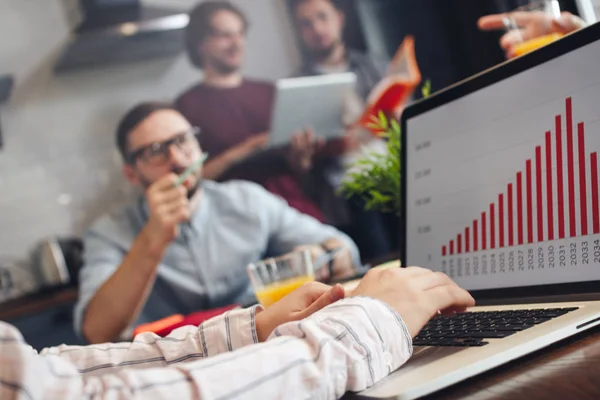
316 102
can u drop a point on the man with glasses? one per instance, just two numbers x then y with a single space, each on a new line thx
184 246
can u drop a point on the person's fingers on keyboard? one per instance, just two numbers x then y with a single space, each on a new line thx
415 293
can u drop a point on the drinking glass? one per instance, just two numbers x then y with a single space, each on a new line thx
275 278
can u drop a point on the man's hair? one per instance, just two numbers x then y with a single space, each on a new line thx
199 26
295 3
133 118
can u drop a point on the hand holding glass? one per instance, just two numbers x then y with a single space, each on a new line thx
274 278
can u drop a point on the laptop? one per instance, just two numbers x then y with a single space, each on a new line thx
316 102
500 189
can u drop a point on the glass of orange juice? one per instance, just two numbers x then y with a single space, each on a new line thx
275 278
539 31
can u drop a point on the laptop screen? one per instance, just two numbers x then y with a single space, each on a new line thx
502 183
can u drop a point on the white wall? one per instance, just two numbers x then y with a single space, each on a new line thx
59 168
597 7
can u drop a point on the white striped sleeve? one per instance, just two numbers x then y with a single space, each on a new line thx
347 346
228 332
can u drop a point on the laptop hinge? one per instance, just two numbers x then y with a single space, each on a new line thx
540 299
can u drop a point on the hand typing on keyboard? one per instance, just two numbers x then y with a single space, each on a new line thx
417 294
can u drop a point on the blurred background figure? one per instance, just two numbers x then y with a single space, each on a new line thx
184 245
234 112
530 26
320 26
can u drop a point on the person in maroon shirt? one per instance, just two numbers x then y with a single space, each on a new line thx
234 112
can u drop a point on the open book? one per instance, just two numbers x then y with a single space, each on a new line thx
391 94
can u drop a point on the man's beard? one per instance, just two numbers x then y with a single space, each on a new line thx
223 67
324 52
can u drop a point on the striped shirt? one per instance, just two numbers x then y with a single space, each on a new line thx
347 346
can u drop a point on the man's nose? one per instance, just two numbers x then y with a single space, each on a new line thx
176 155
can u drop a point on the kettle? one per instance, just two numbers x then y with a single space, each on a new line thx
58 261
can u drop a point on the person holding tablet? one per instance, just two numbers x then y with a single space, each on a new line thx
234 112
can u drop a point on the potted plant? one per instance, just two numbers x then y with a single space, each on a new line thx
376 176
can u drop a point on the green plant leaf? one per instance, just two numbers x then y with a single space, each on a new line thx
395 127
383 121
377 180
426 89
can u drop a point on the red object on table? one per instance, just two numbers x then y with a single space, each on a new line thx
195 319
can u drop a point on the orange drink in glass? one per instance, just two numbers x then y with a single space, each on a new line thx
549 7
274 278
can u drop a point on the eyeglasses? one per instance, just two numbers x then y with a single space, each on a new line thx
158 153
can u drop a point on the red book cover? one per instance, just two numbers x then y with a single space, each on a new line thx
391 94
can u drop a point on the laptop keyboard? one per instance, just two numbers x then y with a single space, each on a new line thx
470 329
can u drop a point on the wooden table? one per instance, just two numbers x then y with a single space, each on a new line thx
38 302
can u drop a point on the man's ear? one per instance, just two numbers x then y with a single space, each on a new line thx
131 175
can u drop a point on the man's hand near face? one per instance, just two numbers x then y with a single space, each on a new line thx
168 207
109 314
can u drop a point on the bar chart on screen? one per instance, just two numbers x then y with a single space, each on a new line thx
512 200
552 197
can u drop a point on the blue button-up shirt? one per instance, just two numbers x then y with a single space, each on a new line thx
235 224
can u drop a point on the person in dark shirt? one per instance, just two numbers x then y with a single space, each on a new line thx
320 25
234 112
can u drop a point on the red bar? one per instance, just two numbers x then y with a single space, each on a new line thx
595 202
559 179
475 236
520 208
582 179
571 169
483 228
549 192
538 191
529 199
443 251
452 247
459 244
492 227
501 219
467 241
509 200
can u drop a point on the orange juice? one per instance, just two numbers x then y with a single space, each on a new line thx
533 44
276 291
